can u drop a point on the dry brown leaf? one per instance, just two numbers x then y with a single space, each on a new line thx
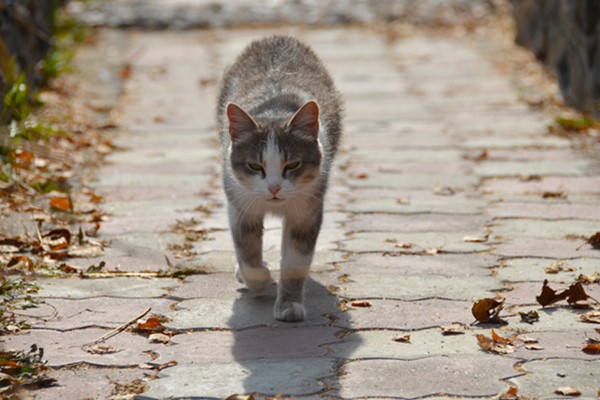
151 325
100 348
454 329
588 280
528 340
577 293
534 347
557 267
56 239
594 240
554 195
567 391
159 338
61 203
486 310
550 296
475 239
530 316
444 191
592 348
401 338
362 176
592 317
363 304
241 397
493 346
344 278
20 263
511 394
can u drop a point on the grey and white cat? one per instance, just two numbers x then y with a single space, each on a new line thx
279 119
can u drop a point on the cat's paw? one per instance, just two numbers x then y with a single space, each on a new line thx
289 311
255 279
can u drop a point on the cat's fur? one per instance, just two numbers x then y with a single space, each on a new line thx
279 120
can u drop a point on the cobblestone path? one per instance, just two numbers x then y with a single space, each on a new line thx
437 201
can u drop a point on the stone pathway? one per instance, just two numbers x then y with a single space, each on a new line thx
437 201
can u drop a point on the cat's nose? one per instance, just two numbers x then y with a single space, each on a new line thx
274 189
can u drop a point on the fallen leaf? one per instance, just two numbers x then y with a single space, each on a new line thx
362 176
554 195
557 267
151 325
493 346
61 203
20 263
528 340
499 339
592 348
158 367
511 394
530 316
577 293
534 347
159 338
592 317
567 391
95 268
401 338
588 280
486 310
68 269
444 191
344 278
56 239
100 348
549 295
454 329
363 304
475 239
594 240
241 397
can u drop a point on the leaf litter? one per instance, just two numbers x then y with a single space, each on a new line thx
574 295
488 310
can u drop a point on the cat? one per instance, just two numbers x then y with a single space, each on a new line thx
279 121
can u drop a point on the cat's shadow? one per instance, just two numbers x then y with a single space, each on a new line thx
289 358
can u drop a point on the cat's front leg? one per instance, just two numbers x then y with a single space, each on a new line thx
298 247
247 232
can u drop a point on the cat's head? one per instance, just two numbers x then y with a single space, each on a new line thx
275 159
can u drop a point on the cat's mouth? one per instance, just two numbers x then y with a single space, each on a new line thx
275 200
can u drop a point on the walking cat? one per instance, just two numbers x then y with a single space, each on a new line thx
279 120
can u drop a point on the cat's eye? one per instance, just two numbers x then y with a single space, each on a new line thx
292 166
255 167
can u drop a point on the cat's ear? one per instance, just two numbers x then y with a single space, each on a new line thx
239 121
306 119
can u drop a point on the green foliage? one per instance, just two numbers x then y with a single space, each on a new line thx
576 124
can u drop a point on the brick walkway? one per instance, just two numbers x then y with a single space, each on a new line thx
437 149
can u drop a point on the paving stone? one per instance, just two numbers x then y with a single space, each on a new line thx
413 205
225 261
102 312
109 287
515 168
419 287
249 310
547 184
543 377
405 315
416 223
272 343
379 344
474 375
557 229
99 382
440 264
546 210
219 380
517 142
534 269
566 344
66 348
549 248
415 181
417 242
